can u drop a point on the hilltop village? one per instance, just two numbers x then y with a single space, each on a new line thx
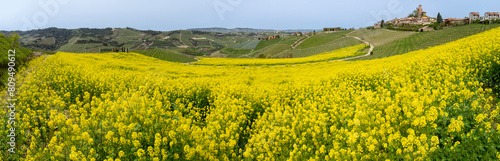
419 19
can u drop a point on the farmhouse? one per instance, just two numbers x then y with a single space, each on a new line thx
491 15
269 38
457 20
473 16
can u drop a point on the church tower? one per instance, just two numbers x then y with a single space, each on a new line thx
420 11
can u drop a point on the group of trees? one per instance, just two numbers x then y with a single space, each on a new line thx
61 36
96 33
88 41
477 21
438 25
413 14
123 49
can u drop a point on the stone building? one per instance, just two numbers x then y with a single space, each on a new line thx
491 15
421 13
473 16
459 21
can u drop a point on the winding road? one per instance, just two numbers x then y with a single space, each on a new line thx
367 54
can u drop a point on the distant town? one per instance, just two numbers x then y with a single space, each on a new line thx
420 20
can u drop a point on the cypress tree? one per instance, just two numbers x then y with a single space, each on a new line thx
439 18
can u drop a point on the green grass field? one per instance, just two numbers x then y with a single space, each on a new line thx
128 37
185 37
270 48
167 55
266 43
163 44
81 48
335 44
424 40
48 41
124 35
247 45
234 53
68 45
274 50
204 43
320 39
279 48
380 36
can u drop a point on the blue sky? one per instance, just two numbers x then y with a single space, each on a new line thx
167 15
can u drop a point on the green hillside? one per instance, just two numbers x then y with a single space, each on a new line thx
283 47
247 45
21 55
11 43
186 36
85 40
423 40
167 55
239 45
266 43
380 36
320 39
247 49
335 44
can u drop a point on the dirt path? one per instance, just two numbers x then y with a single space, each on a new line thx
367 54
298 42
180 39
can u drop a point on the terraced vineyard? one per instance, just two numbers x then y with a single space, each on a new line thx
280 48
247 45
425 40
320 39
269 48
335 44
326 56
380 36
166 55
185 37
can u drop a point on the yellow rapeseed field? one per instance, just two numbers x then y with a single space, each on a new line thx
435 104
333 55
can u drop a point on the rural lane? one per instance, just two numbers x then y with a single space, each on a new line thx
367 54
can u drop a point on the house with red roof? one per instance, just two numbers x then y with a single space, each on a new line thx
491 15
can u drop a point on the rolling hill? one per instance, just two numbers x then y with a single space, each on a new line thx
191 42
239 44
423 40
167 55
251 30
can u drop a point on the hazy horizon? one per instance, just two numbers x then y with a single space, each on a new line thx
258 14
